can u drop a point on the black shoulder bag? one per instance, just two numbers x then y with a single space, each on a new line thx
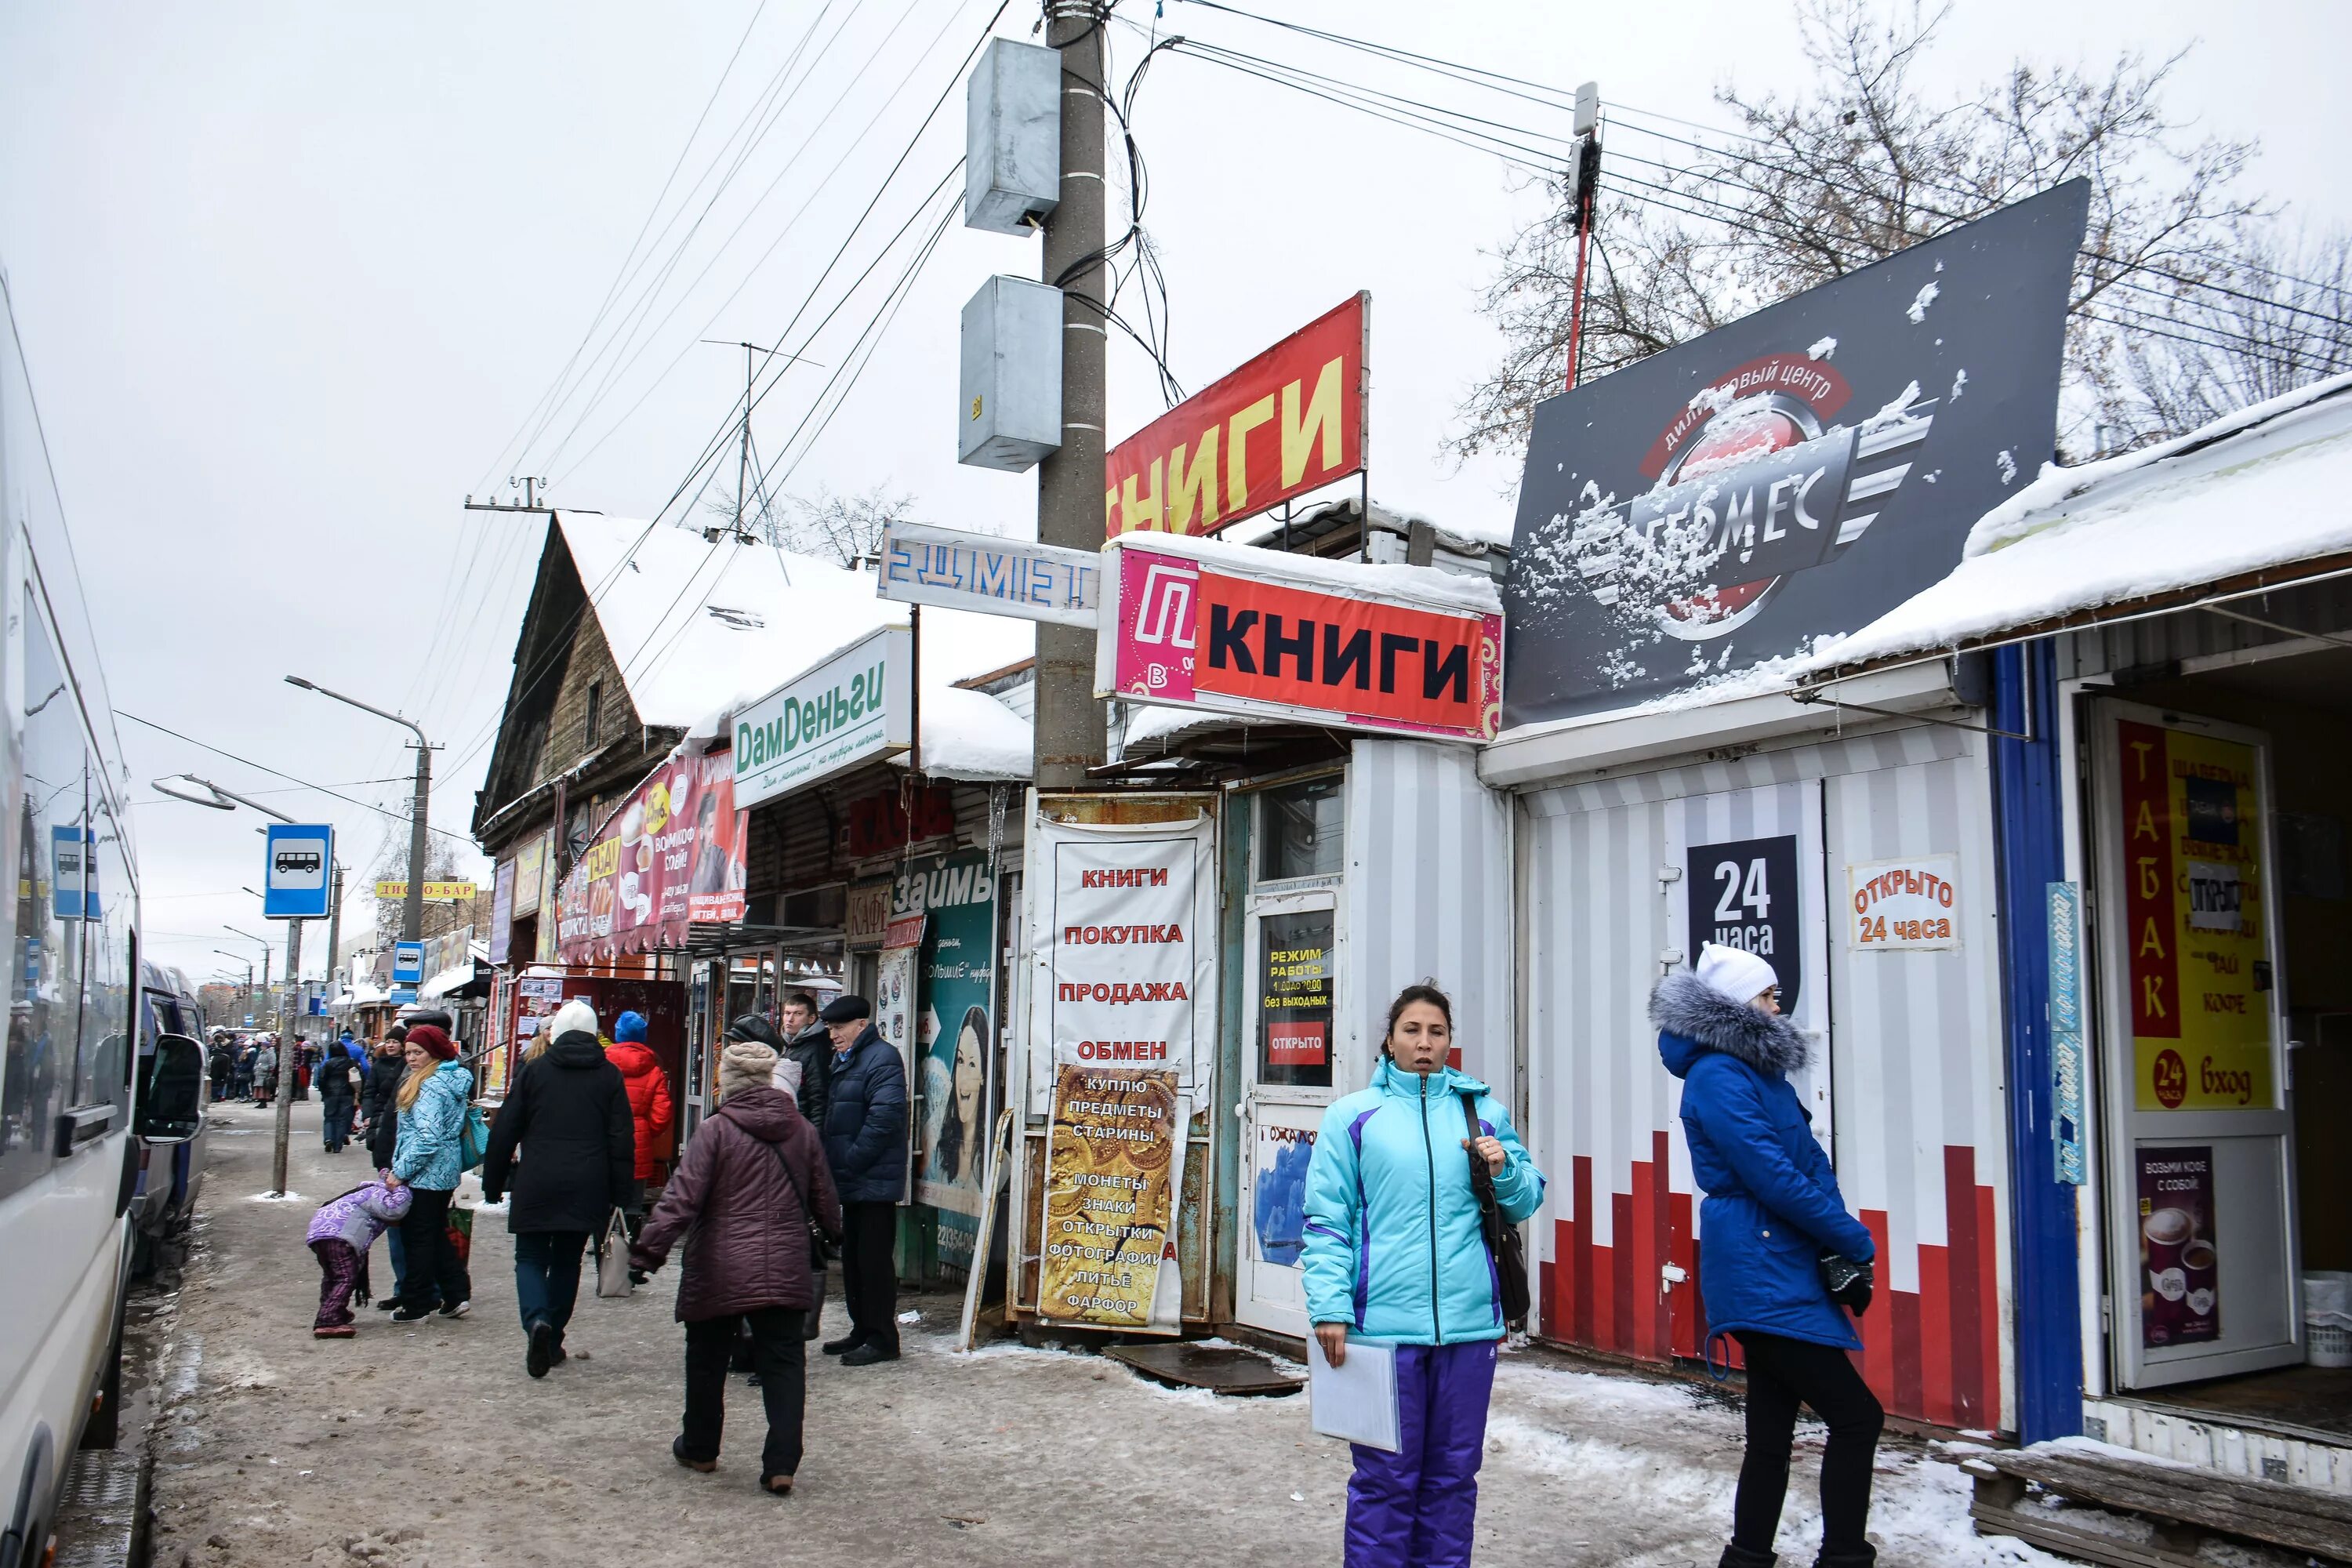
1503 1241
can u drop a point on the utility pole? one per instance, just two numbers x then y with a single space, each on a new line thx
1069 721
530 485
412 908
334 927
285 1107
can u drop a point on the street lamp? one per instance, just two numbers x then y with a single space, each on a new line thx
412 909
248 976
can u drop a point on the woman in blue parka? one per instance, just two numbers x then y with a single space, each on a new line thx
1394 1253
1772 1217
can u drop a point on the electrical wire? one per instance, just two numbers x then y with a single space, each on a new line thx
614 287
274 772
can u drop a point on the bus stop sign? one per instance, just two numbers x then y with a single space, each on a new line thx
294 880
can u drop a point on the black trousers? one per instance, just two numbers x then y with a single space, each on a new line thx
869 1271
431 1265
780 1357
1781 1375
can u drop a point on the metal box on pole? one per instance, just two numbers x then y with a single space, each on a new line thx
1012 137
1011 411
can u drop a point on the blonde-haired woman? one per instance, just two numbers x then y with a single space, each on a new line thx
427 1159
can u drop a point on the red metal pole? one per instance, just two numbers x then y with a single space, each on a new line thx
1576 308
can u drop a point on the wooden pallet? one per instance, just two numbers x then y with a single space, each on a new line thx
2183 1507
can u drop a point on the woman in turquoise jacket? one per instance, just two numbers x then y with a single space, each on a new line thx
1395 1253
427 1158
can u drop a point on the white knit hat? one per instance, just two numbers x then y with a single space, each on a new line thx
573 1014
1735 973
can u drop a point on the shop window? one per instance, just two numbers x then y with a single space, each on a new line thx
1294 991
1300 830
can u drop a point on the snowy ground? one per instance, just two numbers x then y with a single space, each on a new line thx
427 1445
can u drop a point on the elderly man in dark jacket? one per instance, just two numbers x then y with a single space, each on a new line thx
568 1111
865 1142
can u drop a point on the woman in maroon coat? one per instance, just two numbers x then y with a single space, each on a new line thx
742 1198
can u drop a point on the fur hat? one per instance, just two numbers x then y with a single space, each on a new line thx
434 1040
574 1015
1734 973
745 1064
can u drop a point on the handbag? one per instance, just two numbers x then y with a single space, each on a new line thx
613 1258
473 1139
1504 1244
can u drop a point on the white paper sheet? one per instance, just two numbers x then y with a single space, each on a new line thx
1356 1400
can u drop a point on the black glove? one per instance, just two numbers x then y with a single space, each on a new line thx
1849 1282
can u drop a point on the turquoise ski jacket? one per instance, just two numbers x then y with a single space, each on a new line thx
1393 1246
425 1151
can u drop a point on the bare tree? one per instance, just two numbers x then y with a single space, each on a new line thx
1858 165
845 528
2276 315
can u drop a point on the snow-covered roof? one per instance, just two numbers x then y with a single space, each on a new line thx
699 630
2256 492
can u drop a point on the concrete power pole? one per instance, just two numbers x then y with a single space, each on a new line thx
412 909
1069 721
335 927
285 1107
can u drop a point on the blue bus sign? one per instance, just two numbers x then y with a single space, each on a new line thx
407 963
294 879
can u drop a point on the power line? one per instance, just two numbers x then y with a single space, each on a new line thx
290 778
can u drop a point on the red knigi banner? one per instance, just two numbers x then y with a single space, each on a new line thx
671 857
1287 422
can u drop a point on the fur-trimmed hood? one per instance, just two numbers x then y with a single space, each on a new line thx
1693 1019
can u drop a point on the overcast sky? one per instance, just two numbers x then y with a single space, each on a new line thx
290 275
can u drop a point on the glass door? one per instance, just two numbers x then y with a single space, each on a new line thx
1293 1056
702 1029
2198 1154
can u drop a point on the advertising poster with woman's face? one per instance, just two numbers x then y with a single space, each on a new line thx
955 1037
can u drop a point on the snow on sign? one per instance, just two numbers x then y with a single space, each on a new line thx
1908 904
1240 629
1791 477
296 860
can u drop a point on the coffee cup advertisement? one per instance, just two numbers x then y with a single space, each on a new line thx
2180 1277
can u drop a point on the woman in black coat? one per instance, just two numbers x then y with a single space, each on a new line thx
569 1111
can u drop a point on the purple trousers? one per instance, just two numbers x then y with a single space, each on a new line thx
1415 1508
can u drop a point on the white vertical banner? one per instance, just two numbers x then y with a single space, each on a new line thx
1124 945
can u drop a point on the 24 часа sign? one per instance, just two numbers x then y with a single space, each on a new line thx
1791 477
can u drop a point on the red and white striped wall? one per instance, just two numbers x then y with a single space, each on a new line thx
1906 1088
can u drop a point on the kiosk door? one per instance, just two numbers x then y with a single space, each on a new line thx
2197 1158
1291 1047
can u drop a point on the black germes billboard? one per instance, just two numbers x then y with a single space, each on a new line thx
1792 475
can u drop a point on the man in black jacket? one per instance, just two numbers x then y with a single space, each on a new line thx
569 1110
339 1084
865 1144
806 1042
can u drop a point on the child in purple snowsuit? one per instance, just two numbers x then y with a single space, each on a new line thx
340 1234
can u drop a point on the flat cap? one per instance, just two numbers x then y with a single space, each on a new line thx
846 1009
